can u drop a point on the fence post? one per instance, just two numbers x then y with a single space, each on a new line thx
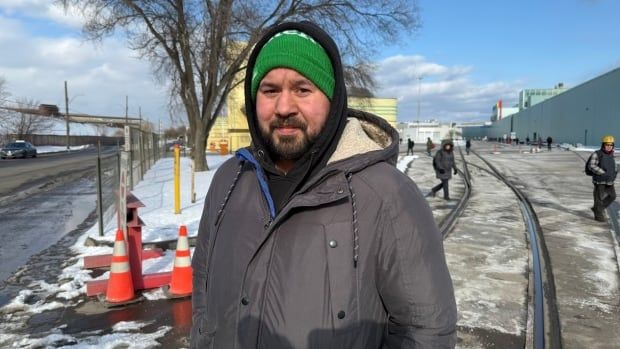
99 194
128 148
141 150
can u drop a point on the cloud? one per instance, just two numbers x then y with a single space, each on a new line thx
445 93
99 76
44 9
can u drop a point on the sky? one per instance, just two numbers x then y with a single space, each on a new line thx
465 57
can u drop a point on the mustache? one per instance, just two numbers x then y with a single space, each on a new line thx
288 122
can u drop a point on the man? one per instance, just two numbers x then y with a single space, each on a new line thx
410 145
467 146
549 141
311 238
443 163
429 145
603 166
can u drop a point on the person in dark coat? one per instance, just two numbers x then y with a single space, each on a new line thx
467 146
429 146
410 145
311 237
549 141
443 163
603 165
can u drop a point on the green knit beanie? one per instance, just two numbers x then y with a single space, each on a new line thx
295 50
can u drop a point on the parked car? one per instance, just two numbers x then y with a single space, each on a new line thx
18 149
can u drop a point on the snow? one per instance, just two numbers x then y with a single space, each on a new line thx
60 148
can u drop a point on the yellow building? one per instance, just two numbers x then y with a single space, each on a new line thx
383 107
233 130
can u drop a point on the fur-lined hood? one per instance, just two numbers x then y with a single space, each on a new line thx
368 134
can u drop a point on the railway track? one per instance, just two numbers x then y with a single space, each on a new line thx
528 317
545 322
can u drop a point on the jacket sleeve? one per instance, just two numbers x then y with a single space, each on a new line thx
437 161
593 164
413 277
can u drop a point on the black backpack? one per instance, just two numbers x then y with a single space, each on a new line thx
587 167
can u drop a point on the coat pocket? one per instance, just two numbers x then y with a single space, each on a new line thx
342 275
201 336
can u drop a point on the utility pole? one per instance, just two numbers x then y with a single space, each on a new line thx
126 110
67 113
419 85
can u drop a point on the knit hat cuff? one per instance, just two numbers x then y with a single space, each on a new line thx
305 66
300 52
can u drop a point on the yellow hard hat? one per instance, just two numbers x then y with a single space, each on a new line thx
607 139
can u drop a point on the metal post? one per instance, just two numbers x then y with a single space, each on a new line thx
118 177
141 145
99 190
177 180
126 110
192 186
67 113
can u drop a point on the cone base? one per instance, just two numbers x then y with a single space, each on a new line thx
107 304
168 294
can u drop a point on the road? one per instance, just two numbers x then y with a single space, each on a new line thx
41 200
21 177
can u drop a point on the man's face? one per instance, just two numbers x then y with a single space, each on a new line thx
291 112
608 146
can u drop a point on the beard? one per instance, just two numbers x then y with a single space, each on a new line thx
285 147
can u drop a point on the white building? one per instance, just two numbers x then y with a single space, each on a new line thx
420 131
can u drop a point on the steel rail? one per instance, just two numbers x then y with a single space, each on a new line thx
547 333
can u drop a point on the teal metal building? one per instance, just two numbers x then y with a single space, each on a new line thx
579 115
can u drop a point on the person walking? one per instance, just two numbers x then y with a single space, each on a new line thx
467 146
429 145
603 168
549 141
443 163
410 145
294 249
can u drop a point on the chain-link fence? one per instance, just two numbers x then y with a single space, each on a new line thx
144 150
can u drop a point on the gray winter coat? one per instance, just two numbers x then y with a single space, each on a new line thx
443 162
354 259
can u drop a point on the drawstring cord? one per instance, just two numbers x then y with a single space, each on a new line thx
232 186
356 246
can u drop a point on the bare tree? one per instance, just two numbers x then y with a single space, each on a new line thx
3 113
21 124
3 91
201 45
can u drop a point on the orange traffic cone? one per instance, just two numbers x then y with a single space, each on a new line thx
120 286
181 280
